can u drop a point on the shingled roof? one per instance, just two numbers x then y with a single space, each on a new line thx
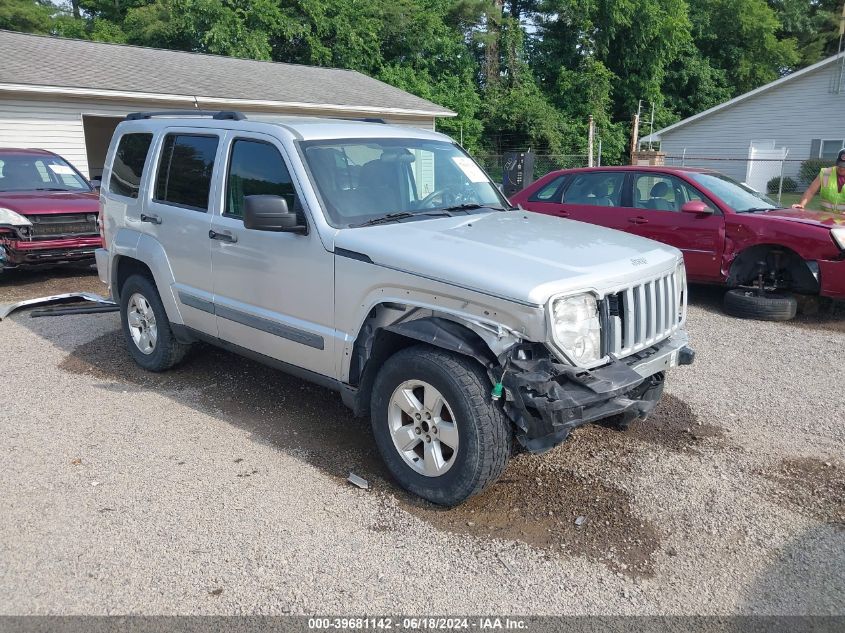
43 61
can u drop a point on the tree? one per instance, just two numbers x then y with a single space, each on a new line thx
31 16
740 37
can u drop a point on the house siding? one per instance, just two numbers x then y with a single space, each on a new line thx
791 114
57 125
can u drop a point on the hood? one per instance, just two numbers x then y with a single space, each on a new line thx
805 216
525 257
50 202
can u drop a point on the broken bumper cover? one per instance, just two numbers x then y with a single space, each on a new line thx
21 253
546 399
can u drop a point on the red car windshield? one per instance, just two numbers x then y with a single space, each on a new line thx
24 172
739 197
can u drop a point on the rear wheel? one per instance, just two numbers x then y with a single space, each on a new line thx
146 328
436 427
761 305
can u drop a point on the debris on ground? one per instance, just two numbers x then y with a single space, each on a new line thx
355 480
580 521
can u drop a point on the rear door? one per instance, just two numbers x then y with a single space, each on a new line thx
595 197
653 210
179 217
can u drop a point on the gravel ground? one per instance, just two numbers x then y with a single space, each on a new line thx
219 487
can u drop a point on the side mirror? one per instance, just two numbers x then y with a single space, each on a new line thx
270 213
697 207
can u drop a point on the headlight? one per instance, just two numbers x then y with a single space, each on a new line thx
7 216
838 235
576 328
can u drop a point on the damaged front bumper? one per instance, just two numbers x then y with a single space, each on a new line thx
25 253
547 399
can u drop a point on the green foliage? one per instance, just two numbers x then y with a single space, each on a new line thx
32 16
810 169
512 87
789 185
741 38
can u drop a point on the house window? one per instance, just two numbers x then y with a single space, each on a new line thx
829 149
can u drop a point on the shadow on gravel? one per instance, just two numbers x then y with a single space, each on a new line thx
810 486
17 285
806 577
537 501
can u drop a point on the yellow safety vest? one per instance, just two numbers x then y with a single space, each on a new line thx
832 198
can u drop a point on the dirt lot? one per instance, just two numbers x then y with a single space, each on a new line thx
219 487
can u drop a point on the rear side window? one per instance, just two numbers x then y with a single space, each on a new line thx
128 165
597 189
185 169
547 192
256 168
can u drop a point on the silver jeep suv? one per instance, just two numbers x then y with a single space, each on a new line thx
382 262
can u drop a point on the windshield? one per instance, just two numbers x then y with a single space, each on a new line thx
739 197
360 180
37 172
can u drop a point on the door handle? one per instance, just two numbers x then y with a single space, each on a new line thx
223 237
638 220
152 219
563 214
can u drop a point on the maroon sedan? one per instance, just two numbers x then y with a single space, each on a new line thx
48 210
729 233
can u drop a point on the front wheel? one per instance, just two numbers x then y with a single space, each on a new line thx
764 306
436 426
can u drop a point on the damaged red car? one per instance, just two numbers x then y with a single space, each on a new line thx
729 233
48 211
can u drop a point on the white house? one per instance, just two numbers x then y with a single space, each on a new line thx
67 96
801 116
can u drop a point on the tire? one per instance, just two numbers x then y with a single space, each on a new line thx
770 306
139 296
478 426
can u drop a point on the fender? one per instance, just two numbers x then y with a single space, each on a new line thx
391 327
147 250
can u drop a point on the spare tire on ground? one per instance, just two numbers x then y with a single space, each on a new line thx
765 306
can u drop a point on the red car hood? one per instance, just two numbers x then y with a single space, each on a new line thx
805 216
49 202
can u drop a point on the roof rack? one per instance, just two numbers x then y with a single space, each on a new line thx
222 115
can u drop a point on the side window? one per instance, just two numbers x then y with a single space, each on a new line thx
599 189
185 169
256 168
662 193
547 192
128 165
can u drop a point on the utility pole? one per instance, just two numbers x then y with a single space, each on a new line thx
591 132
635 133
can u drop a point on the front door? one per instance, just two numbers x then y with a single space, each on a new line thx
273 292
654 211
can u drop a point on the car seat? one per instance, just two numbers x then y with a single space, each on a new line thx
600 195
657 200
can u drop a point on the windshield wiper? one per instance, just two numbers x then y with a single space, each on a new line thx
399 215
757 209
470 206
50 189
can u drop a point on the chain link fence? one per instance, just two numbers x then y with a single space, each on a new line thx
494 164
778 177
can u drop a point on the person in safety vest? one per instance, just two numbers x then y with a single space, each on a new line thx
830 184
